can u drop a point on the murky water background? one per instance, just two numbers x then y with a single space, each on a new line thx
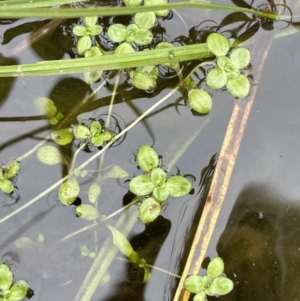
257 233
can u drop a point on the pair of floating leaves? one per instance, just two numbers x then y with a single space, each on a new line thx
8 290
7 173
86 252
227 71
158 184
213 284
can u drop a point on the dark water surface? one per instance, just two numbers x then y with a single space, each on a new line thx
257 232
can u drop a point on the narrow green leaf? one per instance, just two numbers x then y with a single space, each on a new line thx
121 242
141 185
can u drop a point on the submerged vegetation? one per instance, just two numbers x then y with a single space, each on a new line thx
136 53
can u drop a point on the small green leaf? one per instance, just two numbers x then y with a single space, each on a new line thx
200 296
158 177
12 169
23 242
145 20
222 285
93 76
240 57
143 37
178 186
94 192
141 185
45 106
132 2
68 191
6 277
117 172
159 13
149 210
54 120
215 267
147 158
95 128
130 33
84 250
117 32
83 44
79 30
81 131
143 80
96 30
92 255
107 135
124 48
18 291
217 44
40 238
239 87
216 78
200 101
87 212
161 193
62 136
222 61
93 52
194 284
90 21
210 290
49 155
6 186
121 242
97 140
232 71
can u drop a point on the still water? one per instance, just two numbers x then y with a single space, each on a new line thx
257 232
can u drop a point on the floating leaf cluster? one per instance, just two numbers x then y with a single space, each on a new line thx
154 183
7 175
213 284
96 133
10 291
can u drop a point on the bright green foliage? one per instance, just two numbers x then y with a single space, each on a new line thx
145 20
68 192
141 185
228 71
200 101
117 32
86 31
87 212
159 13
94 134
86 252
94 192
124 48
144 78
149 210
7 173
210 285
49 155
62 136
147 158
8 290
132 2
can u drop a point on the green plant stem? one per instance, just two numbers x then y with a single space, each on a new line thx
109 62
21 12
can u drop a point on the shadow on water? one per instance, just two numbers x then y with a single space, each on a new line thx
260 247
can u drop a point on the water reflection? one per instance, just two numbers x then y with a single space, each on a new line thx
260 246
